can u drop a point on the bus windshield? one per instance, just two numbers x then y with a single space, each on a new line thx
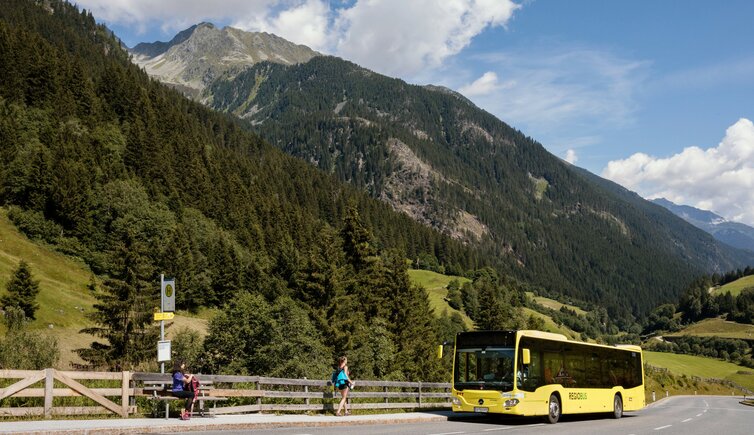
484 369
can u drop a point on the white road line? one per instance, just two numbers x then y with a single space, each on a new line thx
699 415
663 427
496 428
446 433
688 419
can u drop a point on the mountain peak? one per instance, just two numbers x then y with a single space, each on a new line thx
734 234
198 55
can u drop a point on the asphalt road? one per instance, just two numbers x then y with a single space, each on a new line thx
685 415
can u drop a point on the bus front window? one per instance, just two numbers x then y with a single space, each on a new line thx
484 369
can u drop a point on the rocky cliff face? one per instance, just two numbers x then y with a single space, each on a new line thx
202 53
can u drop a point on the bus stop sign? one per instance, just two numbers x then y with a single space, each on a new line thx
168 295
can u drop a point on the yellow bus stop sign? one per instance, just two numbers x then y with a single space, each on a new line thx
163 316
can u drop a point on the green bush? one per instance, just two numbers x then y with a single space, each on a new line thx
22 349
34 225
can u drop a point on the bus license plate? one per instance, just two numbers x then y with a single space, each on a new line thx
480 409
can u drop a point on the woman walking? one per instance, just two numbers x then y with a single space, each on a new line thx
344 384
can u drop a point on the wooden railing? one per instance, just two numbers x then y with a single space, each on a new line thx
116 393
72 388
281 394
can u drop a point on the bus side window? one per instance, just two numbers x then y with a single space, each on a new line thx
552 365
593 371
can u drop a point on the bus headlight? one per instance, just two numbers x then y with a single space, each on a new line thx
456 401
510 403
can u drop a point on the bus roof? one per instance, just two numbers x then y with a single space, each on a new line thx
550 336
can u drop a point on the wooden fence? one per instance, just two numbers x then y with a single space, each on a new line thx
46 379
243 393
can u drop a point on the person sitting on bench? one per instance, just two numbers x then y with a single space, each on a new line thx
181 388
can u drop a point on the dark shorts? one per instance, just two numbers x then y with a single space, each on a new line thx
343 387
188 395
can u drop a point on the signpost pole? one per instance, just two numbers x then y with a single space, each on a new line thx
162 332
162 322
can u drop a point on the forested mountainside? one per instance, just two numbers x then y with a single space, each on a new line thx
434 155
110 166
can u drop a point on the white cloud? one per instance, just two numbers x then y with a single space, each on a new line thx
172 15
548 88
571 156
399 37
395 37
304 23
482 86
720 179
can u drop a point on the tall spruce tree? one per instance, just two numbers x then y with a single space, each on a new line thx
123 314
22 291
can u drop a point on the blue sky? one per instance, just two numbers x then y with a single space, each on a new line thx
656 95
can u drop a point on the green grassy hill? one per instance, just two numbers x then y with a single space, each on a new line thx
553 304
63 295
736 287
551 326
718 328
436 286
702 367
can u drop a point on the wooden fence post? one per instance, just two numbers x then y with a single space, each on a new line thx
306 390
259 399
124 394
386 398
420 394
49 383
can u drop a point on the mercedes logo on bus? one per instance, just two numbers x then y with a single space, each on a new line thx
481 401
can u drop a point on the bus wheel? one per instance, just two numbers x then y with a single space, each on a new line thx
617 407
553 414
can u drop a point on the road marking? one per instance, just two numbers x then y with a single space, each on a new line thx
446 433
663 427
496 428
688 419
699 415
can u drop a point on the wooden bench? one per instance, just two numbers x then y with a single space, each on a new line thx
161 391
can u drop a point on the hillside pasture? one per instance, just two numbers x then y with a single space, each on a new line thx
736 287
553 304
691 365
717 327
436 285
551 326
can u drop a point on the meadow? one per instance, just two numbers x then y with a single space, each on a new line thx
702 367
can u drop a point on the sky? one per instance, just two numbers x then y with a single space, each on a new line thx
657 95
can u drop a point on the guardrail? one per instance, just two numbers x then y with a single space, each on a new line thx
50 387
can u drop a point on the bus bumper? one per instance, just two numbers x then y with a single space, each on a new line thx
488 402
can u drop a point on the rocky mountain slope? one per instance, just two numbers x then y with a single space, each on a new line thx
198 55
434 155
733 233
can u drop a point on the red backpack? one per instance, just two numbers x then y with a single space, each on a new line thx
194 386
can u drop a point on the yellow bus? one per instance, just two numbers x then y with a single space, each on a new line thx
534 373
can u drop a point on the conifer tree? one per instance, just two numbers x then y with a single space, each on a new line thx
22 291
123 314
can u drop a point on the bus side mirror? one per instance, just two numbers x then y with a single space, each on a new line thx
526 356
439 352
